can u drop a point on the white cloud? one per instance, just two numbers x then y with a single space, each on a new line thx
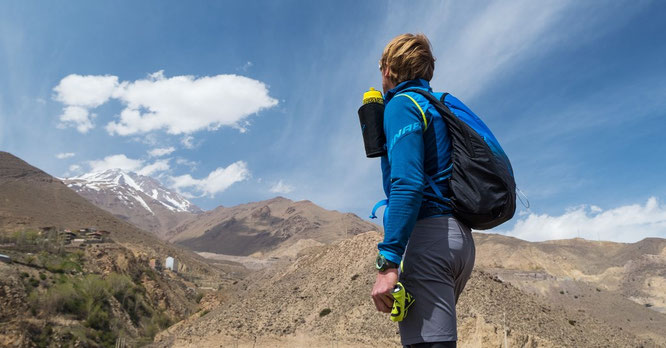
78 117
629 223
116 161
281 188
185 104
80 94
88 91
159 152
125 163
187 141
74 168
150 139
217 181
155 167
185 162
178 104
64 155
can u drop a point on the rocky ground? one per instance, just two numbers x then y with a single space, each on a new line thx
322 299
88 297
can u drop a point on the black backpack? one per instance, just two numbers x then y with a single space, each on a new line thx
481 182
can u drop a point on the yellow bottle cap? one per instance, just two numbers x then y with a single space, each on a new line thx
373 96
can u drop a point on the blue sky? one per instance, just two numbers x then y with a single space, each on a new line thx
575 91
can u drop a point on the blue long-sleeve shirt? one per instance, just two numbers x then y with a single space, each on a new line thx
417 145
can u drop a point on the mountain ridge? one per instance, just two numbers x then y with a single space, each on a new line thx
139 199
267 228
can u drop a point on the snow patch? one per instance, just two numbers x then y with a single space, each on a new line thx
143 203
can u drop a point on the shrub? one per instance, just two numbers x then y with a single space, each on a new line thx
199 296
97 317
93 288
29 259
161 319
119 286
40 337
63 298
129 295
34 301
28 236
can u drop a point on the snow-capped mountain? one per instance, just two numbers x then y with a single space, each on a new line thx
140 199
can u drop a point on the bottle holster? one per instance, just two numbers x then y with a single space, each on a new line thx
371 116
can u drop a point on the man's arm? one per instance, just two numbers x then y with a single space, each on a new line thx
403 127
402 124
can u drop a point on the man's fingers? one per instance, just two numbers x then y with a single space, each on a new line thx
387 300
376 303
381 291
382 304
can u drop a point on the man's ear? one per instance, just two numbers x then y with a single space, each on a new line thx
386 72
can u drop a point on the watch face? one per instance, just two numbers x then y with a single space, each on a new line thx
380 262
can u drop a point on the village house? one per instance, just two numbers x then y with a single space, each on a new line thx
78 242
171 264
67 236
93 235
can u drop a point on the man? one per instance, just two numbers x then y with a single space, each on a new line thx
438 260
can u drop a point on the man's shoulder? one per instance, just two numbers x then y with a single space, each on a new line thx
408 101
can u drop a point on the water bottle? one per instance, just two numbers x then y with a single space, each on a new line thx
371 115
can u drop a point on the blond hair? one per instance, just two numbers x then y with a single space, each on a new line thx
408 57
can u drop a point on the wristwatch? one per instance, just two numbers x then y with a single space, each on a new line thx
382 264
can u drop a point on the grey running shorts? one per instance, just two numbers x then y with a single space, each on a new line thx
437 263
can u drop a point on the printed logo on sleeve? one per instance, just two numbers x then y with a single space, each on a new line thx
404 131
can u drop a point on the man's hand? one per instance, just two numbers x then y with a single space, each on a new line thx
381 292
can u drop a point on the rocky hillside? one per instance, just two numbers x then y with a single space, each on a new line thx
87 296
322 299
31 198
58 292
139 199
276 227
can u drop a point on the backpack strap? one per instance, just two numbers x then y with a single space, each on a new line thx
437 193
439 104
379 204
425 122
447 115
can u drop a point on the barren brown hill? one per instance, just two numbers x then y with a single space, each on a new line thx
322 300
31 198
268 228
634 271
566 257
87 294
